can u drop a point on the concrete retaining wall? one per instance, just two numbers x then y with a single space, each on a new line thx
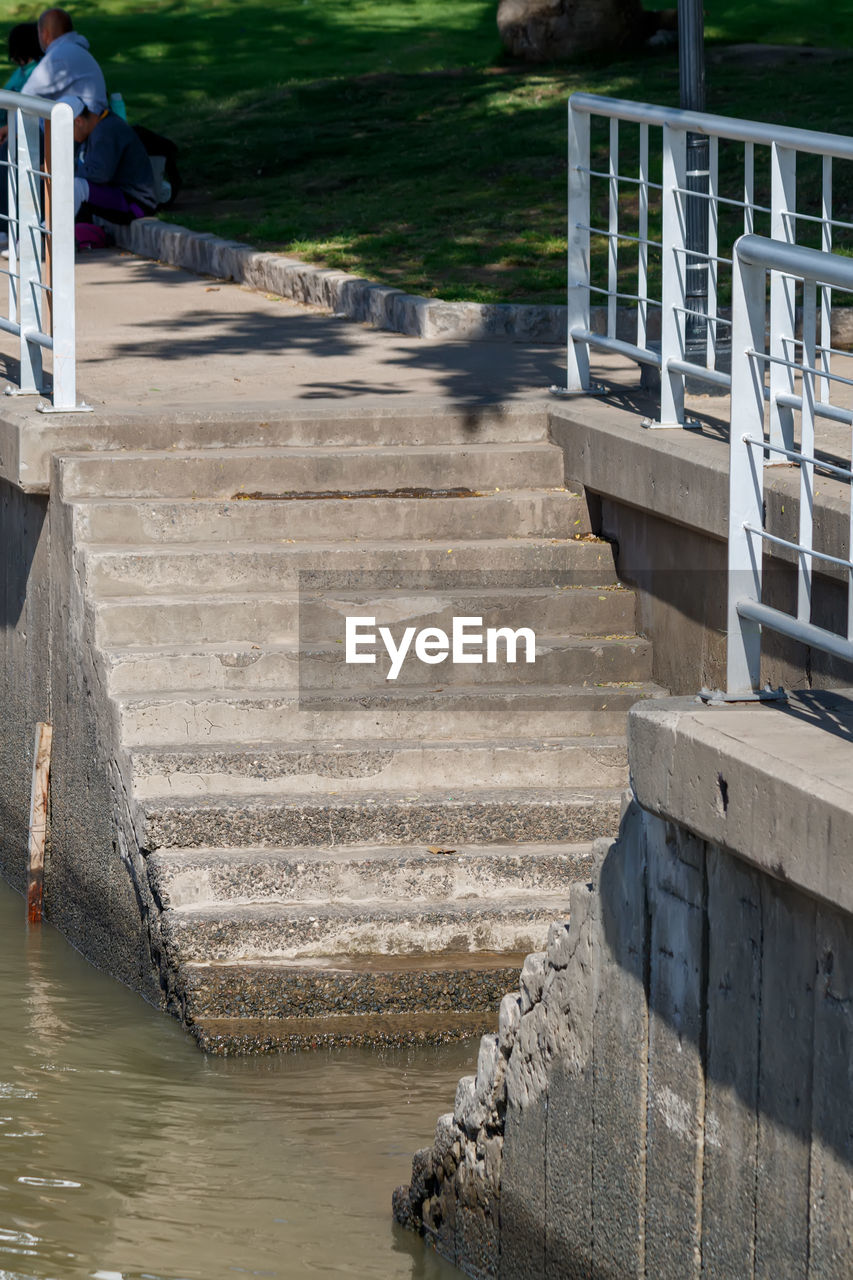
669 1094
662 496
95 891
681 579
25 670
96 886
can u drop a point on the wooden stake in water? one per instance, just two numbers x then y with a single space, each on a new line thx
38 823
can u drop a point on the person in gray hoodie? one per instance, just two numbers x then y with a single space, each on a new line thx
67 66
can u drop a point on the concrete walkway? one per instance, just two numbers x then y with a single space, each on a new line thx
218 345
162 351
151 335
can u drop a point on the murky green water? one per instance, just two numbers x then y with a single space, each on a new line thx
126 1153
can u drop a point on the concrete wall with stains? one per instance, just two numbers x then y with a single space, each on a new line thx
95 890
670 1094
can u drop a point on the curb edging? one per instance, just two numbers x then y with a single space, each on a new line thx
345 295
379 305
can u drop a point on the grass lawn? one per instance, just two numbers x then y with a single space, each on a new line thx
393 138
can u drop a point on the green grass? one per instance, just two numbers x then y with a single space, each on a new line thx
394 139
779 21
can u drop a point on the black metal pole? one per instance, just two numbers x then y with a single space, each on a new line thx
691 80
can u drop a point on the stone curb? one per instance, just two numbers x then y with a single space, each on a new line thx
380 305
344 295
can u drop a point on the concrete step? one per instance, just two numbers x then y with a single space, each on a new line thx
297 931
116 571
230 1037
346 767
350 987
320 469
574 660
183 878
505 816
276 617
544 513
280 716
345 421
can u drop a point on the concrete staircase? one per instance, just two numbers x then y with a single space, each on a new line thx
335 856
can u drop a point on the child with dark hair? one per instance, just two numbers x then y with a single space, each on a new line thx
25 52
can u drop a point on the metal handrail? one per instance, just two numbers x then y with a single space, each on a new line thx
714 126
674 124
40 224
755 257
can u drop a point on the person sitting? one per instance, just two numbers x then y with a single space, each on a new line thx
67 66
25 52
113 178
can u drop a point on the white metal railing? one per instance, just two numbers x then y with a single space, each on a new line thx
753 258
671 194
40 225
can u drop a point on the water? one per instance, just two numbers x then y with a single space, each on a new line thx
125 1153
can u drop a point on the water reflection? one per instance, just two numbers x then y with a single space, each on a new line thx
124 1153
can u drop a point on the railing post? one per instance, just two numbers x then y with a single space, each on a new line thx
12 210
807 446
62 259
29 251
577 297
673 271
746 476
613 228
825 393
642 247
713 212
783 202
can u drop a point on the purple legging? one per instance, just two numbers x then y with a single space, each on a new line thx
111 203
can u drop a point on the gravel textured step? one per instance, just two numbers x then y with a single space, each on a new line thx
529 513
345 987
227 473
345 767
206 877
575 660
263 931
274 617
387 818
495 563
206 718
233 1037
